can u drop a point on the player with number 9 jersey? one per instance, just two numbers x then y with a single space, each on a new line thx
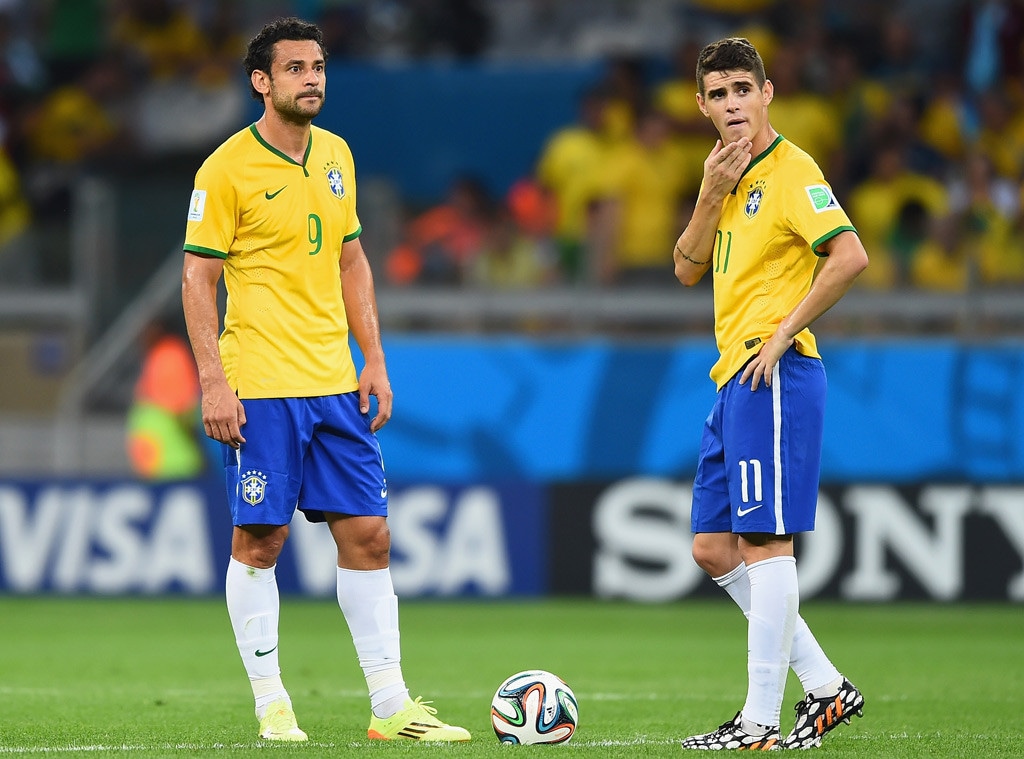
280 226
273 214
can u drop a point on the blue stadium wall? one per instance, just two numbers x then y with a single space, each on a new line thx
522 467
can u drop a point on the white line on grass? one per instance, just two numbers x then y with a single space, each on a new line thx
133 747
624 696
631 742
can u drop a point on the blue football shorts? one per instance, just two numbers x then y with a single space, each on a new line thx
315 454
760 453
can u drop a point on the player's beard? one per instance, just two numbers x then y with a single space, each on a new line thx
295 111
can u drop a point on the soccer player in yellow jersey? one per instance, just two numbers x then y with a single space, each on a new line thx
274 212
762 219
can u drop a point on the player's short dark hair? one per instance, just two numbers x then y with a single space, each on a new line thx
260 53
730 54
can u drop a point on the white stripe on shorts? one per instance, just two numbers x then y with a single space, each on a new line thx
780 526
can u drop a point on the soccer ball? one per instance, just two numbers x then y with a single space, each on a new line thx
534 707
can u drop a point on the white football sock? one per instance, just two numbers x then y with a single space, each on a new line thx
828 689
368 601
807 658
254 609
774 607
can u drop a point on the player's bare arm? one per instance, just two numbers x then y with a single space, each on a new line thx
846 260
223 414
722 170
361 310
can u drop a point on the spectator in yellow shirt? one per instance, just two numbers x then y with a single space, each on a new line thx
160 36
645 179
876 202
923 256
987 208
510 259
691 131
16 264
568 168
804 117
1001 134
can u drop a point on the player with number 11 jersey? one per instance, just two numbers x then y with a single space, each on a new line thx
781 211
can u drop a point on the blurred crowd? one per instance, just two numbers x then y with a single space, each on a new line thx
89 82
917 121
913 108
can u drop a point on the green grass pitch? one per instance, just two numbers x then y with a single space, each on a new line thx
114 677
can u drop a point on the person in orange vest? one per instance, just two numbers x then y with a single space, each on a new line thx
163 421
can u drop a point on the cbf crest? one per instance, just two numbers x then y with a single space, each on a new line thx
334 179
755 196
254 487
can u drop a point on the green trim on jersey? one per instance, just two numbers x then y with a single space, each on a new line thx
758 160
200 250
278 153
825 238
350 237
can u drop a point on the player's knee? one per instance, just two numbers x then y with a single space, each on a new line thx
259 545
367 547
705 556
714 554
377 545
263 556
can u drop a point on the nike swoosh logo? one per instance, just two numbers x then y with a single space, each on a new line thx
271 195
383 492
264 653
743 512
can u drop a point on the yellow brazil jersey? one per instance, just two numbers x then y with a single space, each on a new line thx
568 167
765 252
280 226
648 182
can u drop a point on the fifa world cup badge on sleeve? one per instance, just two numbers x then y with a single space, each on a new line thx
197 205
821 198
